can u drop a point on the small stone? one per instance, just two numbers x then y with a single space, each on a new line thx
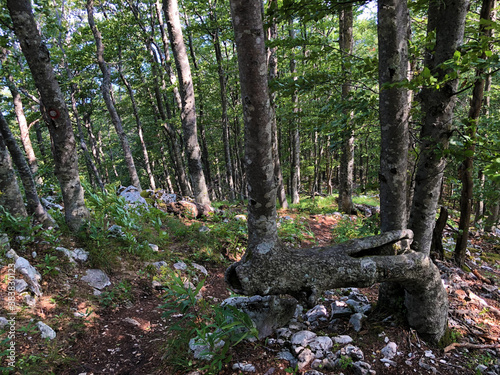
47 332
244 367
284 332
96 279
313 372
160 264
20 285
154 247
240 218
34 254
200 348
388 362
357 321
302 338
305 358
342 339
181 266
200 268
429 354
340 309
359 307
132 321
287 356
317 313
3 322
362 368
80 255
205 229
353 351
390 350
29 300
321 343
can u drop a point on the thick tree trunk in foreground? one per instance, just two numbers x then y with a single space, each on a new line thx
106 93
259 162
394 108
188 114
10 198
346 43
306 273
34 206
447 20
59 124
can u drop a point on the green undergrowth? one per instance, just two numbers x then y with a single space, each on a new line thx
349 228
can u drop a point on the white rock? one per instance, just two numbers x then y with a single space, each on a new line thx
47 332
200 348
96 279
316 313
390 350
180 266
244 367
200 268
323 343
305 358
342 339
302 338
154 247
3 322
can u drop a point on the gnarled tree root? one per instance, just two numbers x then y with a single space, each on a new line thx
306 273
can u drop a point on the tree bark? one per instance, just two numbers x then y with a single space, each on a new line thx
106 93
259 162
24 130
10 198
437 249
447 21
295 130
188 114
272 65
149 171
34 207
467 167
59 124
394 108
346 43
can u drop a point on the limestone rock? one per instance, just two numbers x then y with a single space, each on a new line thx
267 313
342 339
390 350
96 279
357 321
318 312
201 348
47 332
244 367
302 338
132 195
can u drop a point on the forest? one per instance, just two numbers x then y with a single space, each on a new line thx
278 186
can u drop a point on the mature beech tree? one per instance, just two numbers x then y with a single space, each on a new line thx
10 197
59 123
446 20
34 206
106 93
188 114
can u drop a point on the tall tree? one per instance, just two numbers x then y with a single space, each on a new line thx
295 129
10 198
34 206
272 64
188 114
446 20
346 42
106 93
467 168
59 122
393 34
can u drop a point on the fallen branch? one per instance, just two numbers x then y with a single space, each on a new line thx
467 345
481 277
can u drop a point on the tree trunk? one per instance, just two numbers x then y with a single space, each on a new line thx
478 216
249 37
295 128
34 206
467 167
59 124
394 108
437 249
224 119
272 65
346 43
492 219
446 20
11 198
24 130
188 114
152 183
106 93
